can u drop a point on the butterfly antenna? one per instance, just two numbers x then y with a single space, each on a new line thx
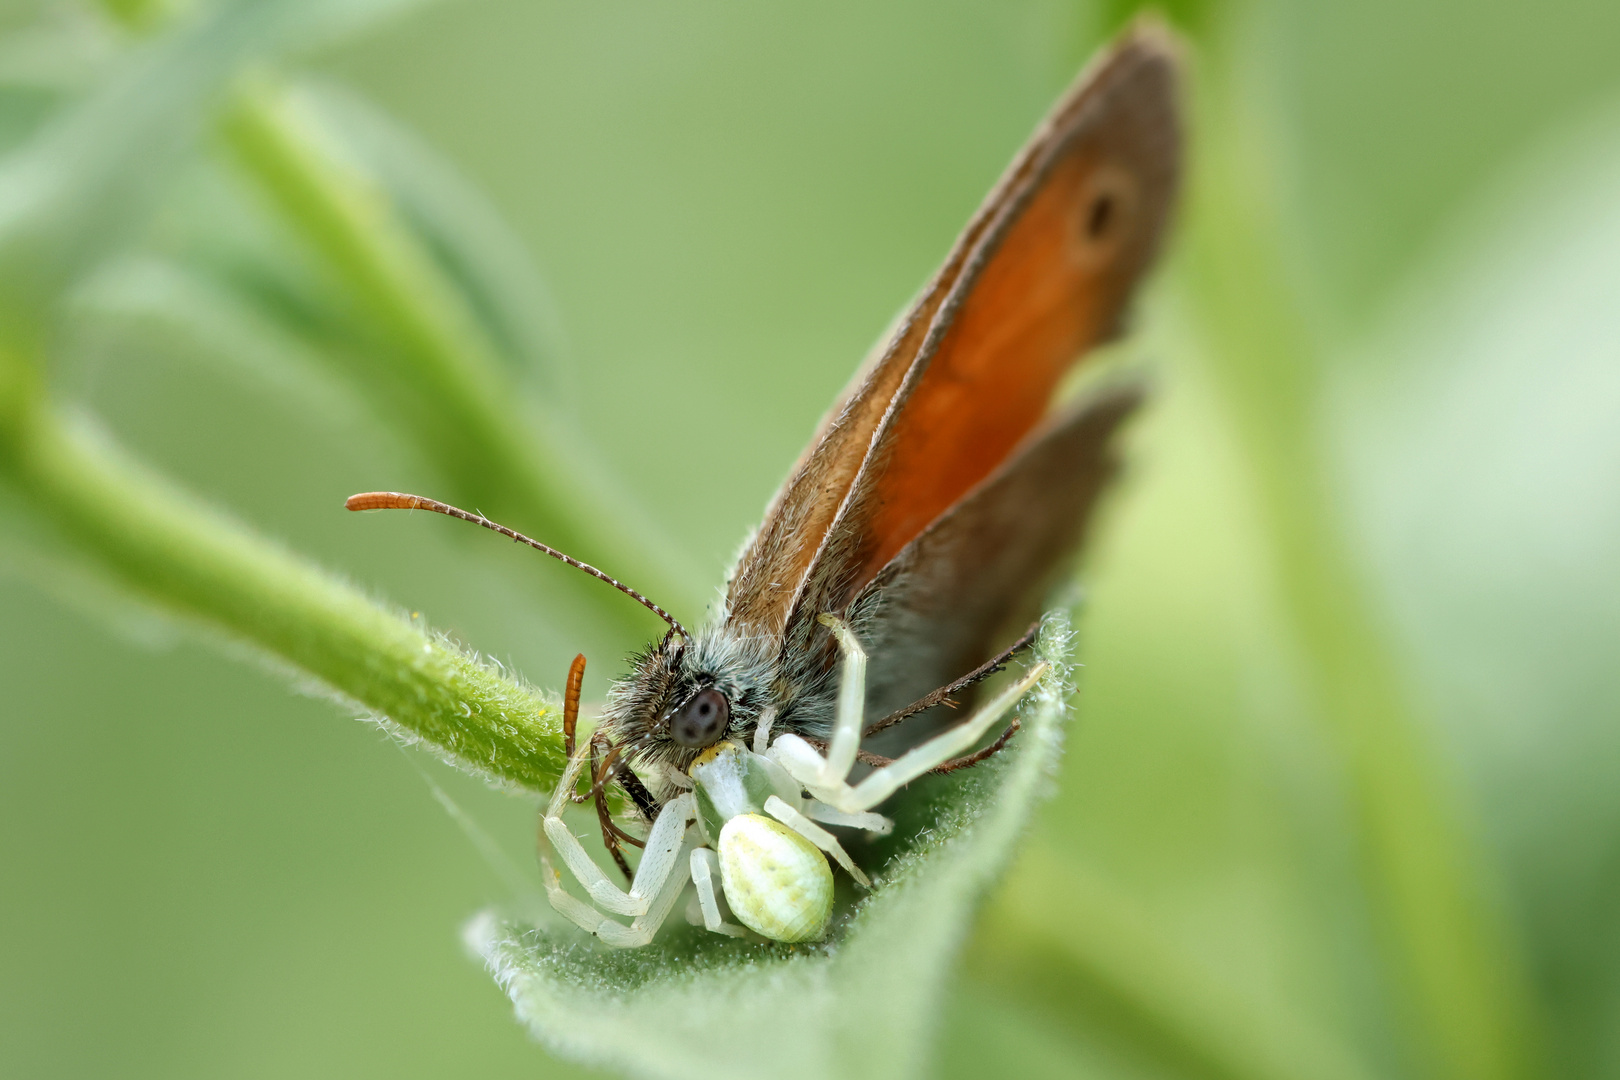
394 500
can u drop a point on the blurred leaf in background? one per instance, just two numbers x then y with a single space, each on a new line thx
1405 226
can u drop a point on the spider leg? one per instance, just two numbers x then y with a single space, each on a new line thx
846 734
816 810
705 866
641 930
577 911
818 836
866 757
943 694
808 767
662 844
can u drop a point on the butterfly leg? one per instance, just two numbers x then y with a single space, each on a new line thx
801 760
601 773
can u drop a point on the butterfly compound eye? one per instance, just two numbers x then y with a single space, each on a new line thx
701 721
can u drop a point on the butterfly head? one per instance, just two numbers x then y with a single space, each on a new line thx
686 694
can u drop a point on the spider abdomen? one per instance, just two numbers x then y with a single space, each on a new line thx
777 883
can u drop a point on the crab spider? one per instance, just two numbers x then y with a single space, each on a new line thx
747 830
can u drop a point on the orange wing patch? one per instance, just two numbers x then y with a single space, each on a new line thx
1055 256
1053 289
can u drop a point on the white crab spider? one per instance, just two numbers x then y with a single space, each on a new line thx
750 822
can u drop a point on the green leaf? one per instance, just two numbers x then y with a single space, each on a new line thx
864 1003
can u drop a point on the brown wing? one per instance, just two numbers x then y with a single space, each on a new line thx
1041 273
774 564
982 568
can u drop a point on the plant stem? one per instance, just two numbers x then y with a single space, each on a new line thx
432 345
189 560
428 364
455 395
1454 972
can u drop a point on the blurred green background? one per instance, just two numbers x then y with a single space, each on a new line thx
202 874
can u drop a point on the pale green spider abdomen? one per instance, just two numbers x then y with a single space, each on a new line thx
777 883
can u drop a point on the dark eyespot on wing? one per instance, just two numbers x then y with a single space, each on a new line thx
1102 212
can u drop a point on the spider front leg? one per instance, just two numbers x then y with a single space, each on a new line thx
642 929
658 880
833 770
659 855
705 866
827 778
660 849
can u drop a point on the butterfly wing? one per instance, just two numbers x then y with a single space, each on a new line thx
776 562
1042 274
982 567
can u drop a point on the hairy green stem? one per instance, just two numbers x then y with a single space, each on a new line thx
1454 971
165 547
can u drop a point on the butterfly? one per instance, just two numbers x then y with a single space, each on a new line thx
941 496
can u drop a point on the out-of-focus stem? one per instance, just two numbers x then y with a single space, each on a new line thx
428 362
1452 967
430 351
